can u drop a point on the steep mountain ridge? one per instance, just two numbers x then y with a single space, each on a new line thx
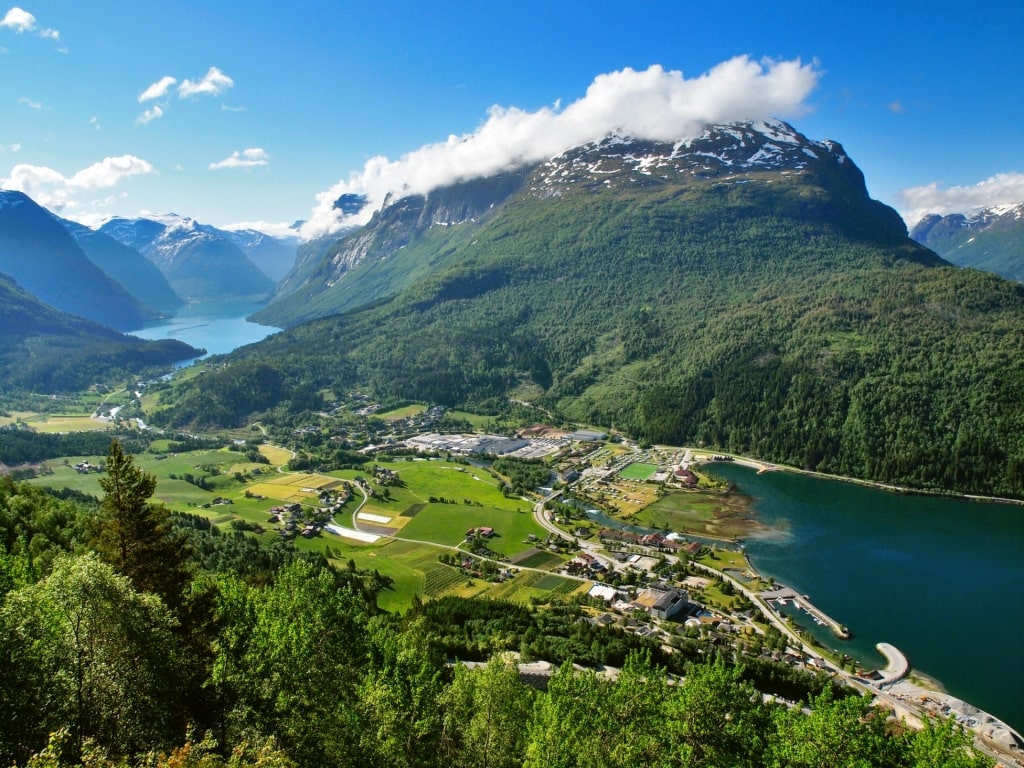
413 237
137 274
991 239
47 262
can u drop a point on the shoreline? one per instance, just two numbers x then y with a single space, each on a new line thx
769 466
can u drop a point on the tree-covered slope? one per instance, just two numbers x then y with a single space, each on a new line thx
46 261
45 350
992 239
775 311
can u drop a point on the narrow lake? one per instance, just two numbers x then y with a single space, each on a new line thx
941 579
217 326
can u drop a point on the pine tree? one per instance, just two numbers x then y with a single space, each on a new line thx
135 535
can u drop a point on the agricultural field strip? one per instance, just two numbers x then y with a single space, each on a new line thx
374 518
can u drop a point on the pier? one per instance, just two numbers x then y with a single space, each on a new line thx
785 593
896 667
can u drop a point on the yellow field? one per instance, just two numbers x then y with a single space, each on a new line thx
16 415
276 456
69 424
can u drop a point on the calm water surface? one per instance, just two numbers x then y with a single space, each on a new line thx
943 580
217 326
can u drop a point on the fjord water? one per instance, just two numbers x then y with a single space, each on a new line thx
217 326
941 579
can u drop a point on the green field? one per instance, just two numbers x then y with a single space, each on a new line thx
638 471
447 524
402 413
413 567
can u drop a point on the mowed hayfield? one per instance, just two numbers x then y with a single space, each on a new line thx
638 471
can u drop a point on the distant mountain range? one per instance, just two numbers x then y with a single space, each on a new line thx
739 290
991 239
199 261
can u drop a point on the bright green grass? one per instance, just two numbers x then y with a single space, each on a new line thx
638 471
475 419
447 524
402 413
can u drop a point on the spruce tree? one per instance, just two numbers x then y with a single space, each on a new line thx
135 535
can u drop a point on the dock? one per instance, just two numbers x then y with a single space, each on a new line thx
782 593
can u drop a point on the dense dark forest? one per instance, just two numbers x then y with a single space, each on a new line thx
133 637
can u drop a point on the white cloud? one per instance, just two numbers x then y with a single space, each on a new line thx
36 105
158 89
214 82
154 113
1000 189
10 147
247 158
272 228
655 104
94 122
19 20
51 189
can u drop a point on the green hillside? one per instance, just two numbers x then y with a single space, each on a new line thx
44 350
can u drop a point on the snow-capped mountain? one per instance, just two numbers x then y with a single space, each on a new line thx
769 161
200 261
991 239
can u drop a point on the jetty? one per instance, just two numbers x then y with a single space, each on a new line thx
896 667
782 593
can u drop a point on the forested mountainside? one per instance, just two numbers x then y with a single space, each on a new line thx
991 239
47 262
45 350
739 291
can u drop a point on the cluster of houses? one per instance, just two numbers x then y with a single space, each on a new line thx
294 522
669 543
85 468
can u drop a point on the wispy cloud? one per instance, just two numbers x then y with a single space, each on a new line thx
247 158
36 105
21 20
158 89
896 107
55 191
94 122
653 104
10 147
151 114
213 83
917 202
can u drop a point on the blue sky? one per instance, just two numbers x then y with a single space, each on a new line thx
247 112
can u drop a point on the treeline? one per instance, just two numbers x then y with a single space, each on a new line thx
116 649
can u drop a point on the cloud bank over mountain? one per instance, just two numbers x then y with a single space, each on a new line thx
655 104
996 190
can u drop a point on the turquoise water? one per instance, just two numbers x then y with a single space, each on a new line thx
943 580
216 326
